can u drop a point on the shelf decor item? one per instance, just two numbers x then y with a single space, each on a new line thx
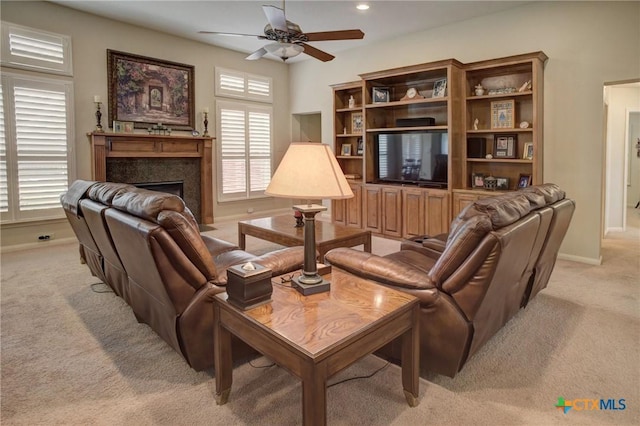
527 152
477 180
502 114
380 95
502 183
98 102
146 90
524 180
504 146
359 147
346 150
439 88
356 123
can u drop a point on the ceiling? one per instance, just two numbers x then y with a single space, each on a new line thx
385 19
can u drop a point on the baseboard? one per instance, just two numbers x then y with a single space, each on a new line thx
28 246
613 229
580 259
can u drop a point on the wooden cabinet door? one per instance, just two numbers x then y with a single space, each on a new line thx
461 200
338 212
413 212
436 207
372 208
354 207
392 211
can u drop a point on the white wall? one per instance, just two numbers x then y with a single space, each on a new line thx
619 100
588 44
91 37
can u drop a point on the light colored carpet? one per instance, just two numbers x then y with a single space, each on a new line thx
73 356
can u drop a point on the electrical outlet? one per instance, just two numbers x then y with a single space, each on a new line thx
46 237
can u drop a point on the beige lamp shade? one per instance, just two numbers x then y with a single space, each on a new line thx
310 171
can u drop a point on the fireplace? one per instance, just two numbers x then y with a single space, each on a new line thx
138 158
175 188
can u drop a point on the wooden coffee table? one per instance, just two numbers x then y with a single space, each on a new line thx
281 230
314 337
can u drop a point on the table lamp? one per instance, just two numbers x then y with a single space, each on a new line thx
310 171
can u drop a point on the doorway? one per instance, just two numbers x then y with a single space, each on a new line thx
621 175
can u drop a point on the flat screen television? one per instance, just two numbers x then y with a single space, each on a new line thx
418 158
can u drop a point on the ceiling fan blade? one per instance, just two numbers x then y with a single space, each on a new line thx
232 34
276 18
316 53
335 35
257 54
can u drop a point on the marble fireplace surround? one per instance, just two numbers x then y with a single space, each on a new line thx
140 158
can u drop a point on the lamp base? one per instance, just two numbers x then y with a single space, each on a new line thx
309 289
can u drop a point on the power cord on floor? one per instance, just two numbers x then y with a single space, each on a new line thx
332 384
94 285
360 377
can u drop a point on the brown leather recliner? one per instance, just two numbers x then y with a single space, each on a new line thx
470 282
172 270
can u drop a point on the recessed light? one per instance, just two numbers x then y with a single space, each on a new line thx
362 6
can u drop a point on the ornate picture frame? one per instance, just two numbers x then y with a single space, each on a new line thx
148 91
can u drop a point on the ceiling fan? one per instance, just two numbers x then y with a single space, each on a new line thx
289 40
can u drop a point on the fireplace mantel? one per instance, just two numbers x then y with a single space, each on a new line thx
137 145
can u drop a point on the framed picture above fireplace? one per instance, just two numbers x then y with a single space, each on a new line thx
149 91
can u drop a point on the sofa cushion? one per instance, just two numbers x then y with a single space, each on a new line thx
147 204
103 192
460 243
550 191
504 210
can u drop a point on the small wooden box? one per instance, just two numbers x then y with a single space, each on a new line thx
249 288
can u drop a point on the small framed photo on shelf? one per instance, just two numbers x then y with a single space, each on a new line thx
439 88
524 181
505 146
356 122
128 126
527 152
477 180
118 126
502 183
360 147
380 95
503 114
346 149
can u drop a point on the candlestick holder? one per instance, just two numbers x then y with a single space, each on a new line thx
206 123
98 117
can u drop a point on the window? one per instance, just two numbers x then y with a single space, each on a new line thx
244 134
244 137
28 48
236 84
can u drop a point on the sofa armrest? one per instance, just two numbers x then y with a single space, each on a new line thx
216 246
376 268
430 247
282 261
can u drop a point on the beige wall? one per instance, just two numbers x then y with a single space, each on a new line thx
588 44
91 37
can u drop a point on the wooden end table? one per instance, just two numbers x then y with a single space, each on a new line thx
314 337
280 230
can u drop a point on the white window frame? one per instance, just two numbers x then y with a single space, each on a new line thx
26 61
247 86
9 81
247 108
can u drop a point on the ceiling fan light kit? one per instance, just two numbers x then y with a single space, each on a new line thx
284 50
289 40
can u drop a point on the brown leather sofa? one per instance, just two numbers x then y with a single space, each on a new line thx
498 255
147 247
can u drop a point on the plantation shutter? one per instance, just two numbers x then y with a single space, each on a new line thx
41 142
244 136
4 189
35 149
35 49
237 84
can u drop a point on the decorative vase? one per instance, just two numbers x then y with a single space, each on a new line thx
479 90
